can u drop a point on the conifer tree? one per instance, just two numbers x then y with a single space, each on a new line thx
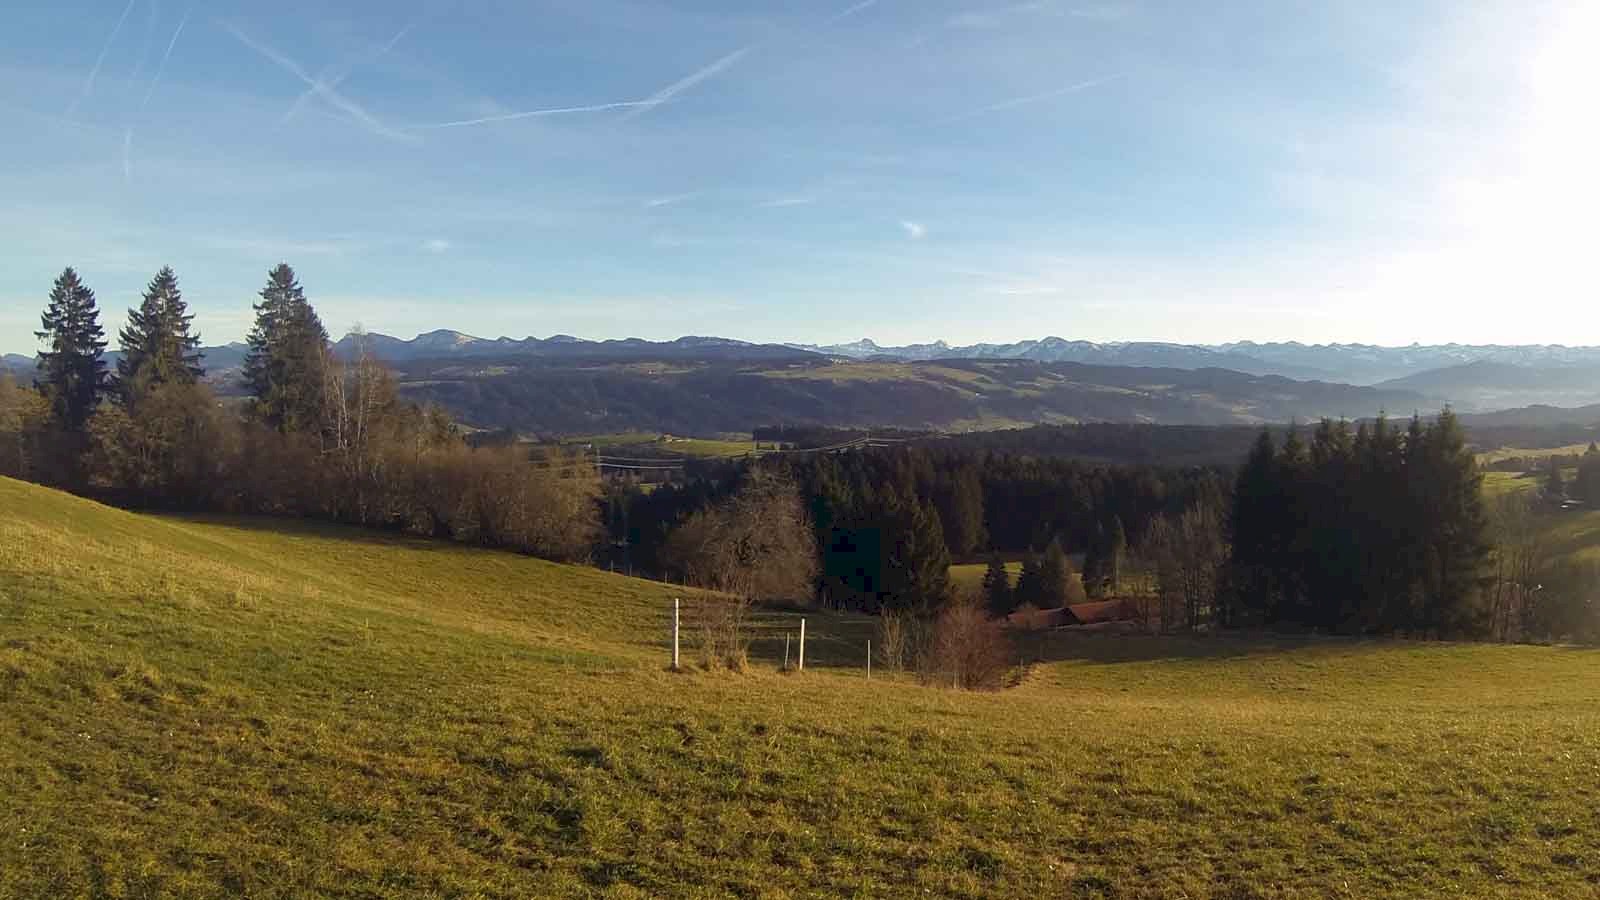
1586 486
1253 524
72 373
288 351
1094 562
1555 487
157 346
997 594
1030 584
1116 552
1054 570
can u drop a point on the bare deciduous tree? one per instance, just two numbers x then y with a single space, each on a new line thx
1188 554
754 546
1520 554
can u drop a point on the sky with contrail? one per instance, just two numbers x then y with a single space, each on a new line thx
956 169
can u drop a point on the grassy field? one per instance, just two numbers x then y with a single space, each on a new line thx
968 577
1503 453
231 708
666 444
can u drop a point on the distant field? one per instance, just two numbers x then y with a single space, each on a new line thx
1503 453
1496 484
209 707
969 576
669 445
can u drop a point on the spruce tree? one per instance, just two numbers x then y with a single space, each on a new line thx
1253 521
157 346
283 369
1555 488
997 595
1030 584
1094 562
72 373
1054 570
1455 531
1116 552
1586 486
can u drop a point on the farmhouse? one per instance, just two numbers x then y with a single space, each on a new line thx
1099 615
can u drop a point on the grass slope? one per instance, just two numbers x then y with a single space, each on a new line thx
221 708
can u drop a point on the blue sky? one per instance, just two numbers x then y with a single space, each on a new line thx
958 169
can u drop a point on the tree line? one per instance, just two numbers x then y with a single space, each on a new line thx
317 436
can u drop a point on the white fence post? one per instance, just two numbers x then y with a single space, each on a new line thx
802 666
674 634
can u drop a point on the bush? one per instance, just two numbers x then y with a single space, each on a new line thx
966 649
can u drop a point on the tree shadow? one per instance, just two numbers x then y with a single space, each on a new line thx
293 526
1114 649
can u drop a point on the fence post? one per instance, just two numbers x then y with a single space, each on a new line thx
786 651
674 634
802 645
869 660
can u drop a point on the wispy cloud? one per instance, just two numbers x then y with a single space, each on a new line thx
684 84
914 230
673 200
162 66
534 114
94 71
337 100
1024 101
995 16
782 202
437 245
861 7
345 73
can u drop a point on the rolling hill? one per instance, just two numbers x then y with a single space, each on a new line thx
216 707
1487 385
707 398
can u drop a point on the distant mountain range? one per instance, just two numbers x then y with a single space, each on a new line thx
446 344
1346 363
1474 379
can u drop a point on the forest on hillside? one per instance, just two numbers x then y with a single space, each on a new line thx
1371 529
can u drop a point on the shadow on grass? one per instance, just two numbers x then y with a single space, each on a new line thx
297 527
833 640
1110 649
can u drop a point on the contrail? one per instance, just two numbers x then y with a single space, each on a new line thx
88 84
348 69
863 6
338 100
162 66
1023 101
678 87
536 113
127 135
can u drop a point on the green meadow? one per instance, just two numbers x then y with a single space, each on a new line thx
205 707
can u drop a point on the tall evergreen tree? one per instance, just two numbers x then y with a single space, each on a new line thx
1054 570
284 369
1116 553
1253 521
1586 486
1095 562
997 595
1555 487
157 346
1030 584
1454 533
72 373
